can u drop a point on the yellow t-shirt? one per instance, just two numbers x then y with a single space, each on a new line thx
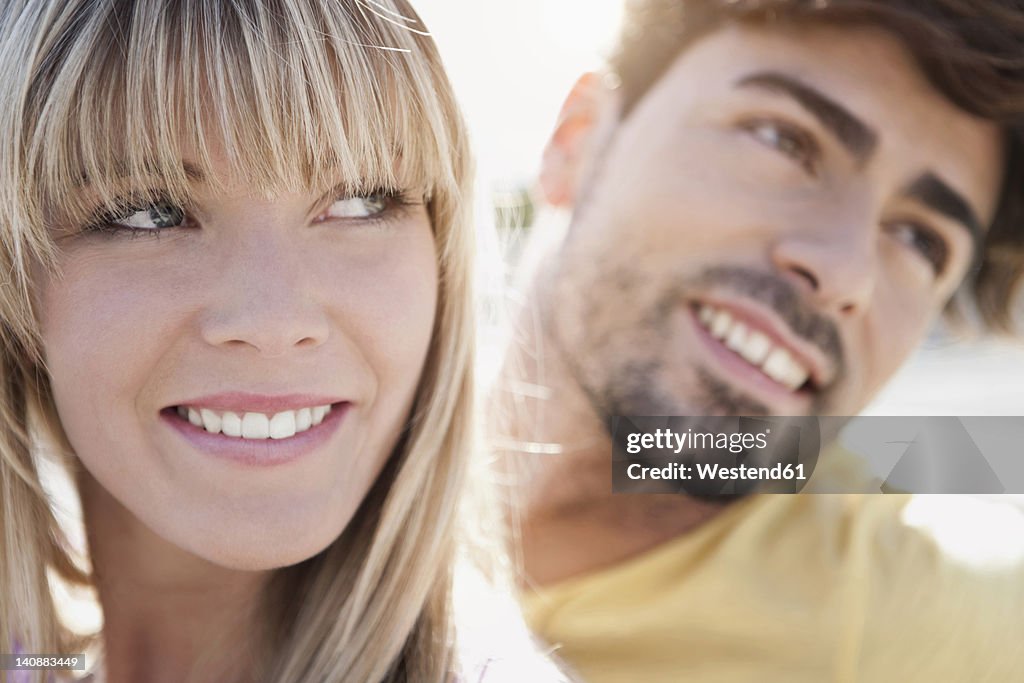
826 587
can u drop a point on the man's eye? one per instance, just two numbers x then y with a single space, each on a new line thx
366 206
788 139
923 240
152 216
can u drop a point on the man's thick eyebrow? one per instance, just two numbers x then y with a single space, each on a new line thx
937 195
855 135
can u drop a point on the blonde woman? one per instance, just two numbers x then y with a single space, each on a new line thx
236 309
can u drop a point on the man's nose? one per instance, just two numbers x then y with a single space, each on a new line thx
265 296
835 265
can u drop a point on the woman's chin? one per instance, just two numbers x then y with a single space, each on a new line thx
255 557
254 546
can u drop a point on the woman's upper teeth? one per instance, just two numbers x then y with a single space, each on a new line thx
755 347
255 425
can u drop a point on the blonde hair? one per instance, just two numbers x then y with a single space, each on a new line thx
299 93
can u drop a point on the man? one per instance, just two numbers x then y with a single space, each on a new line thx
771 204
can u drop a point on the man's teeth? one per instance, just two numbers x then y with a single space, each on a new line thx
255 425
754 347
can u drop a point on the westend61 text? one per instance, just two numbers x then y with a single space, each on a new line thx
715 472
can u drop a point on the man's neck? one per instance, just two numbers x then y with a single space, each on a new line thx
551 438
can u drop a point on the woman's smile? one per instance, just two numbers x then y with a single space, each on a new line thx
257 439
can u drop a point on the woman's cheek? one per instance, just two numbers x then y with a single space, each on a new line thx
393 302
100 336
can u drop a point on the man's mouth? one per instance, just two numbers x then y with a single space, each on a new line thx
757 345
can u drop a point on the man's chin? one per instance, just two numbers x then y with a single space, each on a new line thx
718 396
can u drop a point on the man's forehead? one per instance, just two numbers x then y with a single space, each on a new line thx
871 74
863 66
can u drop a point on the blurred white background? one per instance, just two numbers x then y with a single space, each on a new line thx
512 64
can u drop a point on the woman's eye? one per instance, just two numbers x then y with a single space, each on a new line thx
154 216
923 240
358 207
787 139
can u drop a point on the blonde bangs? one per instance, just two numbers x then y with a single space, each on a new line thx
291 95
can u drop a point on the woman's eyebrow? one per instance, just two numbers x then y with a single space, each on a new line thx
191 171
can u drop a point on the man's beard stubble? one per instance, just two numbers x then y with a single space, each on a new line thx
633 386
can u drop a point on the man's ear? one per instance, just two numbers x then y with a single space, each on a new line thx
567 151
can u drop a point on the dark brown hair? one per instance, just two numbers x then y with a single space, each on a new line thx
971 50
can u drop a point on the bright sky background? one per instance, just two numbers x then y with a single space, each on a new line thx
512 63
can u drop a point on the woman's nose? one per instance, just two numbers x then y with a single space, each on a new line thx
265 296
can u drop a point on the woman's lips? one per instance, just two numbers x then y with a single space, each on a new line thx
257 452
